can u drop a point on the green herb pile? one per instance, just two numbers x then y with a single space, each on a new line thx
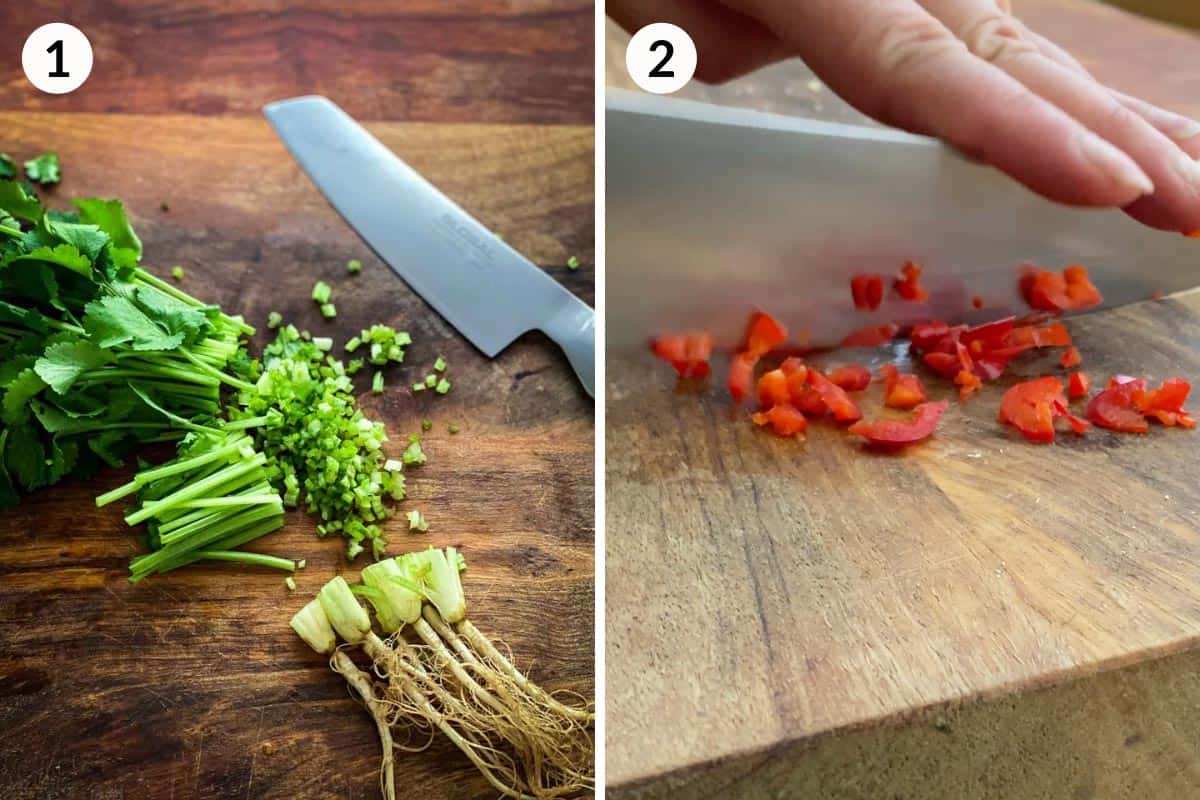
98 356
320 442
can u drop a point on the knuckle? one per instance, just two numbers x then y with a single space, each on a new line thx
908 44
998 37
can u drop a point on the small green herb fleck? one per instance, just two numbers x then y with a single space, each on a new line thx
572 263
274 320
416 521
440 364
353 266
177 273
453 428
426 424
431 380
328 310
289 583
44 169
354 366
413 454
353 344
377 383
302 563
443 386
322 292
418 387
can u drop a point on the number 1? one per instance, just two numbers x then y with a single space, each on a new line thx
57 49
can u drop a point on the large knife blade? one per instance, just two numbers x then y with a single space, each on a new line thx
712 211
484 288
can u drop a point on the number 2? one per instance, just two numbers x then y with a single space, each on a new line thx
658 71
57 50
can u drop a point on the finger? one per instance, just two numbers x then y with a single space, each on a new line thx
1182 130
992 35
898 64
728 44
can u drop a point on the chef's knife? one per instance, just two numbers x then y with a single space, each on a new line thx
484 288
712 211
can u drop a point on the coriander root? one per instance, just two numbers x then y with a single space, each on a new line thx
361 683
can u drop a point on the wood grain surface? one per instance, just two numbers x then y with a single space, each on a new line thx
765 596
191 685
426 60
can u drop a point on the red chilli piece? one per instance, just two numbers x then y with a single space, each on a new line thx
1114 409
1070 358
1032 407
901 390
687 353
1070 290
1079 385
773 389
784 419
851 377
834 398
866 291
741 375
908 285
763 334
977 302
898 433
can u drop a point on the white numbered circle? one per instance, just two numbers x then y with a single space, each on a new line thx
661 58
57 58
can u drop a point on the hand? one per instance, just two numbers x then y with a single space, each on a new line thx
969 73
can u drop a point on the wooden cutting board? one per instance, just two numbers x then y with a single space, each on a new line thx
191 684
801 620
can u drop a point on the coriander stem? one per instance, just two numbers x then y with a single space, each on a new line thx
216 373
257 559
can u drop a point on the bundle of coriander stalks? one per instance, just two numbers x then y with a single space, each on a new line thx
98 357
447 677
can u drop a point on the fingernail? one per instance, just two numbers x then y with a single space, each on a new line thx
1119 167
1188 167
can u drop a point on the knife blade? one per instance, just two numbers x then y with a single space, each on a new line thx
484 288
712 211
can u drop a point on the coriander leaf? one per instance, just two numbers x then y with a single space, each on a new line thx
19 200
12 365
25 456
62 460
8 494
14 409
178 317
64 255
110 216
64 362
8 168
88 239
44 169
27 317
111 446
116 320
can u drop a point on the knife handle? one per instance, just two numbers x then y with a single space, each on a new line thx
573 327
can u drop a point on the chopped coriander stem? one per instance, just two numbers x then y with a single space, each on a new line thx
195 489
216 373
377 383
235 500
236 540
165 471
239 556
177 554
7 231
440 364
245 422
